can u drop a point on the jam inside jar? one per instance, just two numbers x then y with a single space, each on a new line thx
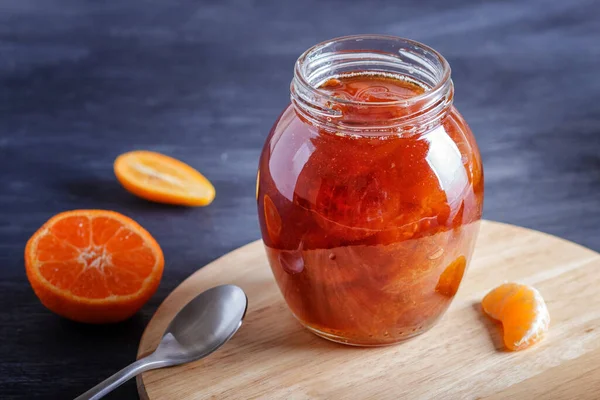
370 190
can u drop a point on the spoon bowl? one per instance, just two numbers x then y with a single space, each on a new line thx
202 326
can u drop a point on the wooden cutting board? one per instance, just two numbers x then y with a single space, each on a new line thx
462 357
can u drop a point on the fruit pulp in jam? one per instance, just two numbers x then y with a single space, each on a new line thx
369 235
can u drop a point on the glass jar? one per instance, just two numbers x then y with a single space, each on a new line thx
370 190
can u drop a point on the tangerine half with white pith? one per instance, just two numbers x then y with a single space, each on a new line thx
93 266
163 179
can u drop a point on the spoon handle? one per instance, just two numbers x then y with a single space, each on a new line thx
116 380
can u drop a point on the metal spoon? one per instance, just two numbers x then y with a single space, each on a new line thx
200 328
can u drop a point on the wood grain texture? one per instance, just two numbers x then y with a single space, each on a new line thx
82 81
462 357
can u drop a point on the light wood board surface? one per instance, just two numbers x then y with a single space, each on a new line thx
462 357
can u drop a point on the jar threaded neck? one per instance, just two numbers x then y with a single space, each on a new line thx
374 55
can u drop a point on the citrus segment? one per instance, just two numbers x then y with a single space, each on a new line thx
139 262
50 248
124 240
90 284
156 177
272 219
61 274
523 312
103 229
122 282
451 277
93 266
74 231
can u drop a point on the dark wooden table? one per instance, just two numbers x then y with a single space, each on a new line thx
82 81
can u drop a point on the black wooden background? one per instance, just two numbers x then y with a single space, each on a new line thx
82 81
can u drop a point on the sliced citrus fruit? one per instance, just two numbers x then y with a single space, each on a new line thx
93 266
523 312
163 179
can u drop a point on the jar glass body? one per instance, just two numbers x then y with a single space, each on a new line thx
369 235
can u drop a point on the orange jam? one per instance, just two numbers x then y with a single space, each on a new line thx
369 235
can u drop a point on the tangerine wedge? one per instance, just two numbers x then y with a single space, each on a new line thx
450 279
523 312
93 266
163 179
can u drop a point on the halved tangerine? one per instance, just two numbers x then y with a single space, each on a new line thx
523 313
93 266
163 179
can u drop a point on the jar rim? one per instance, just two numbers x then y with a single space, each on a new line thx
441 85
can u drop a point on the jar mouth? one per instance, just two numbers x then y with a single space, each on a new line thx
314 53
378 55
